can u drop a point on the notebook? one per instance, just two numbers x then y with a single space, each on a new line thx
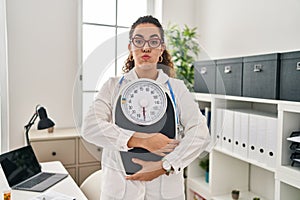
23 171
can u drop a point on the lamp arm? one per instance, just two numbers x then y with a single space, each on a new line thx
28 126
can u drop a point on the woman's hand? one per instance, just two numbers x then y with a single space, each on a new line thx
150 170
160 144
156 143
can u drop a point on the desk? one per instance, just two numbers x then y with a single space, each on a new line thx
67 186
66 145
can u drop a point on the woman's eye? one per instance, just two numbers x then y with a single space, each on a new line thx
138 41
154 42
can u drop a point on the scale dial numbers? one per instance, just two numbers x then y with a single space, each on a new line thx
143 102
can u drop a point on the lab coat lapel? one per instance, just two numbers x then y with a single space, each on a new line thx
162 77
131 75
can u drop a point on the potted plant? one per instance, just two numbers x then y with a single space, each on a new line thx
184 49
256 198
204 164
235 194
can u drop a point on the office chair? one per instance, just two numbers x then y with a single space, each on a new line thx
91 186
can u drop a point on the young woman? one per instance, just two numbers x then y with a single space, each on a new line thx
161 179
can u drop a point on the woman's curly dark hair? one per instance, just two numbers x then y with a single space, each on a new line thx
166 65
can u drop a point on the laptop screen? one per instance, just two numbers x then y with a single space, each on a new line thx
19 165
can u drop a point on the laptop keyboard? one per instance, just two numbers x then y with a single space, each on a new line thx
36 180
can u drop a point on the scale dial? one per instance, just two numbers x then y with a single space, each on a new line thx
143 102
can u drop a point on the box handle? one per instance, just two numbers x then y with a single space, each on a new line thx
298 66
203 70
257 68
227 69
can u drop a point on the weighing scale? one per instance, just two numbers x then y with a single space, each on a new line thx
144 106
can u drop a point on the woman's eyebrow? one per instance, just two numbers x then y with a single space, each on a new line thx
138 35
152 36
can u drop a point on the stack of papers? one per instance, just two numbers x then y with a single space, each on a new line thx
294 139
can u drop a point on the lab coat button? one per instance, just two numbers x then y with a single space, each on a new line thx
179 169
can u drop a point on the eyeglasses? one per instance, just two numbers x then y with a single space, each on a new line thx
140 42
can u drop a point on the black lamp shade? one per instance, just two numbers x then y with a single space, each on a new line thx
44 122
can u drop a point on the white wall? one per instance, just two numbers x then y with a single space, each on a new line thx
179 12
42 61
3 80
234 28
43 45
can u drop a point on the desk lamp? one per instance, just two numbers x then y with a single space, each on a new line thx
44 122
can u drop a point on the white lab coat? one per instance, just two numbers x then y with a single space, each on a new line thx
99 129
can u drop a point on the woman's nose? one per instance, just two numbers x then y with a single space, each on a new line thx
146 48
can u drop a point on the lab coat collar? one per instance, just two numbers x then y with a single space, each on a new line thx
161 78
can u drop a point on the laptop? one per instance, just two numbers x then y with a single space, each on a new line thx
23 171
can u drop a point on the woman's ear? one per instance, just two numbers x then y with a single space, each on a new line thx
129 47
163 48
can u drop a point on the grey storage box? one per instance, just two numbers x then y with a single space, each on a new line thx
229 76
261 76
205 76
290 76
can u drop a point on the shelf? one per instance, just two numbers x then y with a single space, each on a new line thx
203 97
289 192
198 185
253 162
294 139
208 98
243 196
289 175
289 106
248 99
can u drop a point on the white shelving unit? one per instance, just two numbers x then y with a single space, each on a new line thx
196 176
288 177
263 168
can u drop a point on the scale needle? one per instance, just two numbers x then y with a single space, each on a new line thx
144 113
